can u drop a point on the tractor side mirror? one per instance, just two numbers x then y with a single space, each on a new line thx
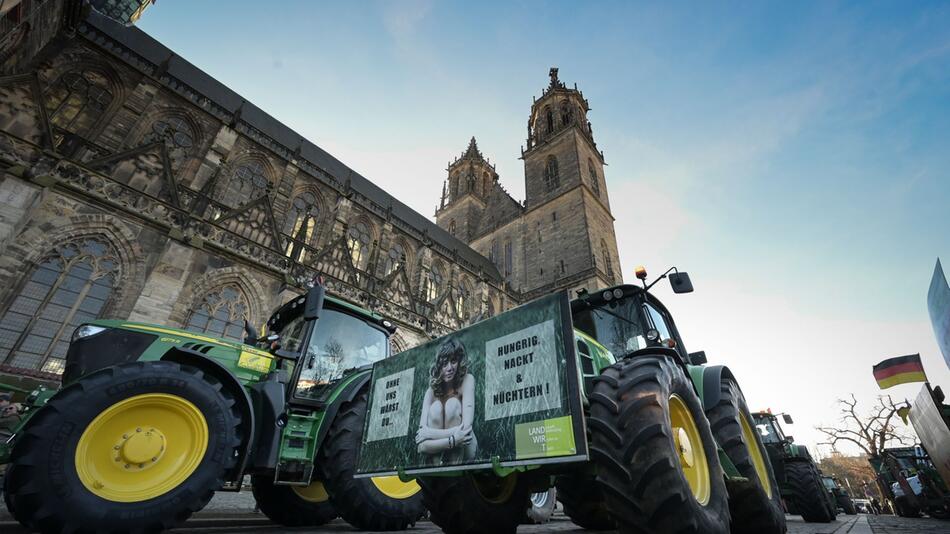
698 357
680 283
788 419
790 439
250 333
314 302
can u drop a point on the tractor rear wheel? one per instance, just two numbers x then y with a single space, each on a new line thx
293 506
756 505
378 503
584 502
657 462
134 447
808 492
473 504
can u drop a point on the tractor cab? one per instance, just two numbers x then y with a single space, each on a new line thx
627 318
769 428
326 339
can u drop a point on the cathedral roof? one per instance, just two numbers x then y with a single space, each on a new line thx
140 50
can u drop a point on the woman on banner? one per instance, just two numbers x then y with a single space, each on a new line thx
448 409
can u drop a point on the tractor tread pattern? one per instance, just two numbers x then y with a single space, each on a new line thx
357 500
638 469
281 505
753 512
808 491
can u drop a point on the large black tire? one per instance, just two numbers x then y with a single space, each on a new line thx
358 500
637 458
474 504
285 505
542 506
808 492
44 487
756 505
584 503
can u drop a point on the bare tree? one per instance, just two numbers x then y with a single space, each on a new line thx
871 432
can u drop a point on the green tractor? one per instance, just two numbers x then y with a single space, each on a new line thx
799 478
840 495
672 443
908 479
151 421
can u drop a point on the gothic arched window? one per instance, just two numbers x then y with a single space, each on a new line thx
221 312
358 239
608 262
463 299
395 259
548 120
432 283
245 184
76 101
566 115
177 135
69 286
594 180
300 224
552 178
452 227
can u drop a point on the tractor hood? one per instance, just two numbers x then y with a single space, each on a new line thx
99 344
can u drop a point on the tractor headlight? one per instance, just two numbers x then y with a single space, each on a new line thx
87 330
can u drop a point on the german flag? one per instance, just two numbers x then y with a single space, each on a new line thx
900 370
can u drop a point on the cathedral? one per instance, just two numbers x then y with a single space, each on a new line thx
135 186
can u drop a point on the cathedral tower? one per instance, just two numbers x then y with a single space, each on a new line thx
562 236
465 193
566 195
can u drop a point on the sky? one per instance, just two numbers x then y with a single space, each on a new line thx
792 157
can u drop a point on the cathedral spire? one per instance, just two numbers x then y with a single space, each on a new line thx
472 151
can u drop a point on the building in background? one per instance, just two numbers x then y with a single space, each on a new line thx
136 186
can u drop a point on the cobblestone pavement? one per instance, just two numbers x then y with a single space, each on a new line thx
231 513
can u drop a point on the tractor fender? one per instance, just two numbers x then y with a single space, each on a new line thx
215 369
710 389
350 392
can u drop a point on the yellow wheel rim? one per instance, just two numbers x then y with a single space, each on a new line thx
758 462
689 449
141 447
394 488
496 490
315 492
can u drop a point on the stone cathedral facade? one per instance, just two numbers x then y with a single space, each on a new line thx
135 186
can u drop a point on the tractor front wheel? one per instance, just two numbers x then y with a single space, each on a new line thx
808 492
378 503
293 506
657 461
472 504
136 447
756 505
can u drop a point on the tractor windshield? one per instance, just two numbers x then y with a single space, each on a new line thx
770 432
340 342
616 324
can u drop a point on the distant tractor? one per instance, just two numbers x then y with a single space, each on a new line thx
840 495
909 480
151 421
798 476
